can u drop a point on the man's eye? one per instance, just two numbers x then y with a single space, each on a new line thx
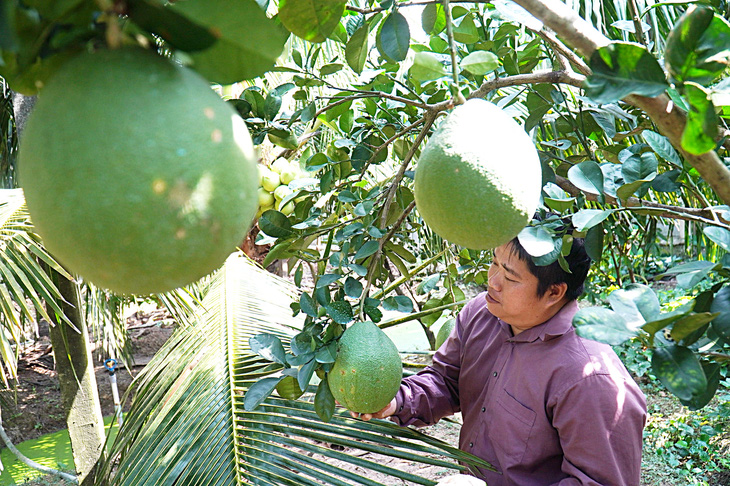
509 279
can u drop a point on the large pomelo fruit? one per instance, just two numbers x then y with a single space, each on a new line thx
478 179
137 175
367 372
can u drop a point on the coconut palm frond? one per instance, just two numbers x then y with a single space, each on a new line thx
24 284
188 425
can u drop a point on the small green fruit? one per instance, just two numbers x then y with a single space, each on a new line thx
280 165
288 388
281 192
270 180
265 198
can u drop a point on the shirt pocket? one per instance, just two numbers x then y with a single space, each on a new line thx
510 429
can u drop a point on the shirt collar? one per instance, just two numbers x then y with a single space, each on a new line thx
554 327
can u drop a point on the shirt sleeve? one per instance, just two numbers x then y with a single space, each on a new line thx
600 422
433 393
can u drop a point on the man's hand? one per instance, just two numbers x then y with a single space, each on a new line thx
386 412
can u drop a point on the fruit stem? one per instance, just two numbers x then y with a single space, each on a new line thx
456 95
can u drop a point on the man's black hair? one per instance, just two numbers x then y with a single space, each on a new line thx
578 261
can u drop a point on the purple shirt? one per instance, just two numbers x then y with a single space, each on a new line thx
544 407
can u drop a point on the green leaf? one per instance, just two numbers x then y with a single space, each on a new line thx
701 128
176 29
721 236
312 20
480 62
248 42
324 402
433 19
260 391
353 288
640 167
275 224
637 304
667 181
679 370
394 37
426 67
594 242
688 324
369 248
327 354
602 325
331 68
697 47
588 177
536 240
662 146
621 69
268 347
588 218
690 274
357 48
721 304
327 280
712 372
283 138
398 303
307 304
466 32
8 36
340 311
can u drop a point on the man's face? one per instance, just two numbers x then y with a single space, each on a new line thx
512 292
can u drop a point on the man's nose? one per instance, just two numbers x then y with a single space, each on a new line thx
494 280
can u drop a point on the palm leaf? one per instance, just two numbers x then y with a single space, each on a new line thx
24 284
187 423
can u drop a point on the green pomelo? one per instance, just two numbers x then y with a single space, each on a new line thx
288 388
137 175
478 179
367 372
444 332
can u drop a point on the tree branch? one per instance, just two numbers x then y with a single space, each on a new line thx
669 119
547 76
697 215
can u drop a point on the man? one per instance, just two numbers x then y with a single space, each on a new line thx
540 403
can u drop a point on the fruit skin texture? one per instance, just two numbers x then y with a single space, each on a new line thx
137 175
367 372
478 179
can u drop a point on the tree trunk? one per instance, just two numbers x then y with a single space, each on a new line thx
79 395
72 355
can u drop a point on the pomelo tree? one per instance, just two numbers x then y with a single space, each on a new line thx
626 103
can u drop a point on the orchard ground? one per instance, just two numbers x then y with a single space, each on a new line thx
677 448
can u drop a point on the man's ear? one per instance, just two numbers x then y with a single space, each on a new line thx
556 292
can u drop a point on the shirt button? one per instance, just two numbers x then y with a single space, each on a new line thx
484 409
494 374
471 444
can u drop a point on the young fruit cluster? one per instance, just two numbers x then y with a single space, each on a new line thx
274 185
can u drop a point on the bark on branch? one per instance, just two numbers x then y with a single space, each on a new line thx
670 120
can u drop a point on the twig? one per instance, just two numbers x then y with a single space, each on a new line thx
702 215
427 122
547 76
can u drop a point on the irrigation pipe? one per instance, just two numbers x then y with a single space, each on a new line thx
30 462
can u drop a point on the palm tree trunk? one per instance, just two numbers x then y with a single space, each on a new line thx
79 395
72 355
